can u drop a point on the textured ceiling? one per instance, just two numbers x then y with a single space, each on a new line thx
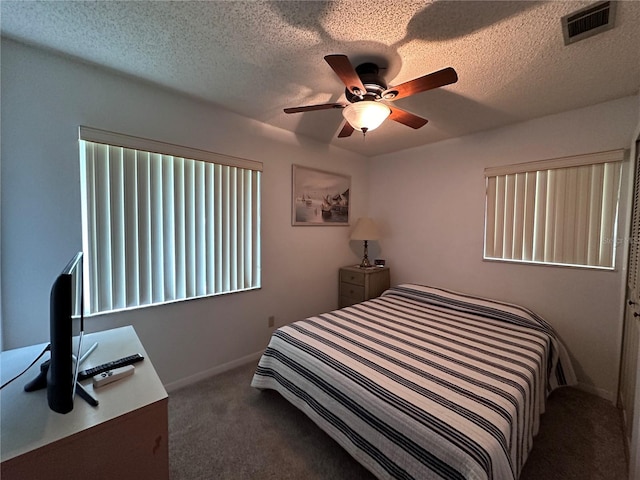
256 57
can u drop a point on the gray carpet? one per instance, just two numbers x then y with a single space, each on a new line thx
223 429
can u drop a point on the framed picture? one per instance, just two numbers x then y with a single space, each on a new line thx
319 198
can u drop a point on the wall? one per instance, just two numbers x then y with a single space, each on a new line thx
44 100
430 202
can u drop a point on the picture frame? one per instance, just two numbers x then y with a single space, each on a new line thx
319 198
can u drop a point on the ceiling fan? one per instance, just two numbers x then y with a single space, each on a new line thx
367 94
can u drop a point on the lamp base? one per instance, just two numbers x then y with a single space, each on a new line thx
365 260
365 263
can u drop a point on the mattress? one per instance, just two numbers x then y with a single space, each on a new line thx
422 382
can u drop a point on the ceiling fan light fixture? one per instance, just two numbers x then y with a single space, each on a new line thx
366 115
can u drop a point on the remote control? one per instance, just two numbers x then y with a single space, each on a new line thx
105 367
110 376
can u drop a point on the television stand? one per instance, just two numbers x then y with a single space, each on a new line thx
40 382
85 395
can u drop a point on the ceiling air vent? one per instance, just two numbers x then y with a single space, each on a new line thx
588 21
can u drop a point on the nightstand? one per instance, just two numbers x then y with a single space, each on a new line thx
360 284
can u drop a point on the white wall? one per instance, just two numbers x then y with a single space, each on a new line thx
44 100
430 201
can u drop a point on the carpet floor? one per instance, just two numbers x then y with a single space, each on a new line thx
222 429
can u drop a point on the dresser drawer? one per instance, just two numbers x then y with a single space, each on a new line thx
356 278
352 291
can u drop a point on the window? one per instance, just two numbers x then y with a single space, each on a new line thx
561 211
163 223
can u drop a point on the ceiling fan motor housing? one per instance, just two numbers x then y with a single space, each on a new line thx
367 94
372 81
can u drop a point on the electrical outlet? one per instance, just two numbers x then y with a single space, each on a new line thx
272 321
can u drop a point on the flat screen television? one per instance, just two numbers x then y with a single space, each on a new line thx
66 330
66 327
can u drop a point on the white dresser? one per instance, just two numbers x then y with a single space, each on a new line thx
124 437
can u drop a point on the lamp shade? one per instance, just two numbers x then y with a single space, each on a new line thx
366 115
365 229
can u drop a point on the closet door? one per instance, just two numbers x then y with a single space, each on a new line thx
629 398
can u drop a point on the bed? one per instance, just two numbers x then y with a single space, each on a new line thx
422 382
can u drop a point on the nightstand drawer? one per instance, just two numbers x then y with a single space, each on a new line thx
352 291
347 302
356 278
361 284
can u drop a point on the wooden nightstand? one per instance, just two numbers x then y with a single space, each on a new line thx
360 284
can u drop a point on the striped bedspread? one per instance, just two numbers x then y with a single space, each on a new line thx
422 383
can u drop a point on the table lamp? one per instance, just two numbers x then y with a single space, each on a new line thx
365 230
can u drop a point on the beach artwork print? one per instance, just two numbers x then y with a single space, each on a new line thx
319 198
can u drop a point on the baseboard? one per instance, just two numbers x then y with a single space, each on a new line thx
600 392
254 357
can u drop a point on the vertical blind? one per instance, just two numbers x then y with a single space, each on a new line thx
560 211
163 223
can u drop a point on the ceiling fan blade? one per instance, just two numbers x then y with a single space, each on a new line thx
346 131
406 118
343 68
437 79
310 108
